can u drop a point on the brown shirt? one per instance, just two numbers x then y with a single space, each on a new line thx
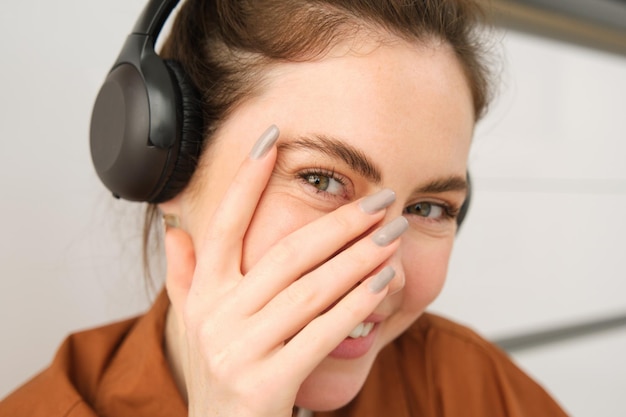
436 368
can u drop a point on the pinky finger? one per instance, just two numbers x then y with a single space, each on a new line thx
322 335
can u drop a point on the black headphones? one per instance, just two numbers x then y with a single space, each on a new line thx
147 126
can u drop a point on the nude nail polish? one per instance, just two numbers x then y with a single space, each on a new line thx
391 231
381 280
265 142
376 202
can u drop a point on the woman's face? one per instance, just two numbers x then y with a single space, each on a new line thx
396 116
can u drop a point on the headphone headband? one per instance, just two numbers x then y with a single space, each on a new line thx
153 17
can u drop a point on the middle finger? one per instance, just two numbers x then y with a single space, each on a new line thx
306 248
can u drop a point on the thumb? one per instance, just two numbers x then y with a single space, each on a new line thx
181 264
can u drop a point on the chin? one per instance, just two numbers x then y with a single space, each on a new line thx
334 383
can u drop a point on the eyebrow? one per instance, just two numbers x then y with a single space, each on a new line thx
442 185
338 149
360 163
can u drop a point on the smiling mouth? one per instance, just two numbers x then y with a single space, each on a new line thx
362 330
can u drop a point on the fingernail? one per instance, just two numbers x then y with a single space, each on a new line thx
391 231
171 220
376 202
265 142
381 280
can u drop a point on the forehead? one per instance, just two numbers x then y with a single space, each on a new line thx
407 106
402 94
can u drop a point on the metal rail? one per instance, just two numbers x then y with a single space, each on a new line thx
579 22
559 334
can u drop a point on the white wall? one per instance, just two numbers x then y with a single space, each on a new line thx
63 236
543 243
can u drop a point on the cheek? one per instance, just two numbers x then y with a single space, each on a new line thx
425 266
276 216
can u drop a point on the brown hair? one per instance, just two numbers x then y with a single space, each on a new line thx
225 46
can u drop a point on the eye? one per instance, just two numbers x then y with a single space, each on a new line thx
324 182
428 210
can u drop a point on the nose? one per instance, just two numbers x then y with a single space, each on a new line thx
397 283
395 261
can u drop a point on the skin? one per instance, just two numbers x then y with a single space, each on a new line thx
249 275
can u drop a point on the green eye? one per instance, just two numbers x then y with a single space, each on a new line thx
321 182
325 183
425 209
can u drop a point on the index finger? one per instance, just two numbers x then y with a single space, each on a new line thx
223 238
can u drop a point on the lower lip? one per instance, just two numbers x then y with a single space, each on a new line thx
354 348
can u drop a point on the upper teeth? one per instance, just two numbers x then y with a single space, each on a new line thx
361 330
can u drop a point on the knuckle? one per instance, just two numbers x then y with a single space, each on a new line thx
284 252
359 259
222 365
216 231
354 312
343 221
300 294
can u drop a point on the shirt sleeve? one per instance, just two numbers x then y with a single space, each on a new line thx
65 388
473 377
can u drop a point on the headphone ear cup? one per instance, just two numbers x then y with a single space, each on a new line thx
190 114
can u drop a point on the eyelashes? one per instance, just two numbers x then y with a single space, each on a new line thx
330 185
432 211
326 182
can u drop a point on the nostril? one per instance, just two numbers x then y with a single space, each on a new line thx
397 283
